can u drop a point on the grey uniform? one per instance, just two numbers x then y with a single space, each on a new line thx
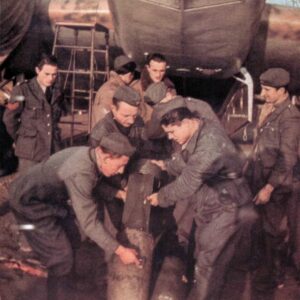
275 161
34 125
209 174
41 197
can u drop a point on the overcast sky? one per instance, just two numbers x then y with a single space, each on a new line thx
283 2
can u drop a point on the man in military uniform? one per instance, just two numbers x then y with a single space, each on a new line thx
34 124
272 170
55 192
123 118
207 171
122 74
153 71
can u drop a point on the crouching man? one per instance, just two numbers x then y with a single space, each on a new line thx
53 190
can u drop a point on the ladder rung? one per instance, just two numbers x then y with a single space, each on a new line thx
83 26
80 48
81 91
75 72
77 48
80 72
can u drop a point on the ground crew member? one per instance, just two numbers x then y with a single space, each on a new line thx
50 193
122 74
154 71
207 171
272 169
34 124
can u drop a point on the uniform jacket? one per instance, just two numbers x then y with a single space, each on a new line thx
34 125
104 96
209 162
275 153
45 189
135 135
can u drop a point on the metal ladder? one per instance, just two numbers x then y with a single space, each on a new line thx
78 67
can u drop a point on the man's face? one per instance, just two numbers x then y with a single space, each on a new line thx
127 78
271 94
180 133
124 113
46 76
113 165
156 70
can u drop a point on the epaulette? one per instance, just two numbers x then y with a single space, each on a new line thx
21 82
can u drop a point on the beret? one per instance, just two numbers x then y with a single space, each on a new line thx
128 95
156 92
275 77
117 143
121 61
164 108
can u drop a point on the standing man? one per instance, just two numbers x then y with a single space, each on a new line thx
34 124
123 74
52 194
153 72
207 171
273 167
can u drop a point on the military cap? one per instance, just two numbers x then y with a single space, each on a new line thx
275 77
121 61
164 108
156 92
128 95
117 143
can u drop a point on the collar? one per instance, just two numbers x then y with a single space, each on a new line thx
277 110
190 146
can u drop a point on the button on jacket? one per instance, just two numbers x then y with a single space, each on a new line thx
34 125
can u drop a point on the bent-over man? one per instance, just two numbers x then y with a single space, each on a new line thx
51 192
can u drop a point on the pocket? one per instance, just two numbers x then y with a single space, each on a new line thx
31 113
27 132
26 143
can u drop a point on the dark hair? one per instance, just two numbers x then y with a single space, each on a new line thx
116 102
47 60
128 68
176 115
156 57
284 86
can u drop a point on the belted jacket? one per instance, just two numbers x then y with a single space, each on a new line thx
34 124
275 153
209 162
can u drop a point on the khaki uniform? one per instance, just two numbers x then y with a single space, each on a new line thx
34 125
274 161
103 100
